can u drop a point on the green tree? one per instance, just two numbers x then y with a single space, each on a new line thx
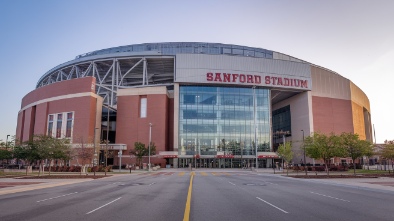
152 149
42 147
6 150
354 147
39 149
5 154
285 152
59 149
388 152
322 146
139 151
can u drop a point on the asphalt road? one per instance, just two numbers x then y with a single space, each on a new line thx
213 196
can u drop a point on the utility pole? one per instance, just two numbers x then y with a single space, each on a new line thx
150 140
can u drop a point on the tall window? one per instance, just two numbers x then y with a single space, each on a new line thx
69 124
59 125
50 125
223 119
143 106
281 120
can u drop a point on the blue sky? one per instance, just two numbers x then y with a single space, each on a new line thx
354 38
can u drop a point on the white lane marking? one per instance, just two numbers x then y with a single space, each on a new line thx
272 183
55 197
272 205
330 197
232 183
151 184
103 206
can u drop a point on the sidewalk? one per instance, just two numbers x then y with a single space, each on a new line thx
382 183
11 185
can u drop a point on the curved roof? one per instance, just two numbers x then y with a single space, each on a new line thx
153 49
172 48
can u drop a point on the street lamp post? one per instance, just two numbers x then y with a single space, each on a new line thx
255 126
150 140
95 152
303 145
106 143
6 142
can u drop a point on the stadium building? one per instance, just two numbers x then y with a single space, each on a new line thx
202 104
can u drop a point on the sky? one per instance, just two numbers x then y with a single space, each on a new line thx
354 38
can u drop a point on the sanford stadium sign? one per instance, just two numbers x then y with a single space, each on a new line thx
256 80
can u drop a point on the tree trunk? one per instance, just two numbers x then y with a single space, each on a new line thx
354 167
39 168
327 170
50 167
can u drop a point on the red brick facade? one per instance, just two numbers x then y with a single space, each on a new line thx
67 96
131 128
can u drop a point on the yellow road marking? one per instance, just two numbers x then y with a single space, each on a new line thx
192 173
214 174
204 174
227 174
181 173
186 216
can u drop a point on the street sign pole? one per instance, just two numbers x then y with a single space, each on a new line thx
120 160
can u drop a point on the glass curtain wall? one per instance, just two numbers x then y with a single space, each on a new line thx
219 122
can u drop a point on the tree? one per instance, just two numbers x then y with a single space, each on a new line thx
59 150
38 149
354 147
6 151
139 151
85 152
42 147
5 154
321 146
285 152
388 153
152 149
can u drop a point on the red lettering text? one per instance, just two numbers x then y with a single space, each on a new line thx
304 83
209 77
217 77
250 78
242 78
226 77
267 80
257 79
280 81
235 77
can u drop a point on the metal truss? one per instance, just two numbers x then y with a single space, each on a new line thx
115 73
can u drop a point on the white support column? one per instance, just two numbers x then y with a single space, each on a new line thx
144 77
113 80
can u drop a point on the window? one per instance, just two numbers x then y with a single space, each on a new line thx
208 115
59 125
281 120
143 107
57 128
50 125
69 124
189 99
